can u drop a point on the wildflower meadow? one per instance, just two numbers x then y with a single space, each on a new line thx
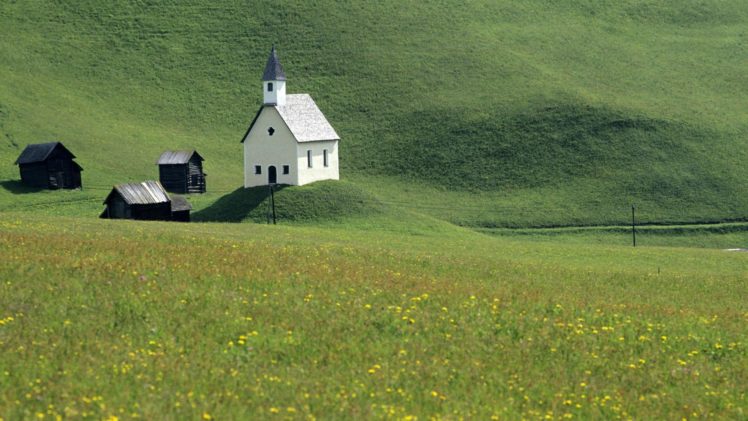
102 320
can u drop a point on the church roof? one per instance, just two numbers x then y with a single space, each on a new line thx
303 118
273 69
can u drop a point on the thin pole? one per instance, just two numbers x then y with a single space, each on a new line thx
268 212
633 223
272 200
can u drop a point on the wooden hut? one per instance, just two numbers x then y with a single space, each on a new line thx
147 201
181 171
50 166
180 209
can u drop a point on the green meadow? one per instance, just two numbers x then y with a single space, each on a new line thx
473 262
216 321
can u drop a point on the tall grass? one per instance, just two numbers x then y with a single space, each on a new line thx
104 319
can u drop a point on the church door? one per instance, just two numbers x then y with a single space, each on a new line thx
272 176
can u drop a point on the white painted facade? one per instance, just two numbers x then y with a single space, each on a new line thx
290 141
318 171
263 150
274 92
281 150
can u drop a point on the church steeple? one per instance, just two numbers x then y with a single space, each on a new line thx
274 81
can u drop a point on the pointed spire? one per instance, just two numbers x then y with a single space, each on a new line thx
273 70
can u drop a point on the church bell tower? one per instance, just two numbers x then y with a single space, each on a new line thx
273 81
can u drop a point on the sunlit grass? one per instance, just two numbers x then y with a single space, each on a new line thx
152 320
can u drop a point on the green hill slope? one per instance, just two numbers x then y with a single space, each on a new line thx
483 114
324 200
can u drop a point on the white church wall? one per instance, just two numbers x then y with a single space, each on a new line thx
318 170
265 150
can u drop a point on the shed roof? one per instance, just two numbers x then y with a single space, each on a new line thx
39 152
179 203
177 157
145 193
273 68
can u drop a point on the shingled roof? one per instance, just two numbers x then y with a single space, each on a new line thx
177 157
145 193
304 118
273 69
39 152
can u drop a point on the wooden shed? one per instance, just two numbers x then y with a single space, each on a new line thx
143 201
181 171
49 166
180 209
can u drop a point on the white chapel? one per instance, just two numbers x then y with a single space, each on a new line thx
289 141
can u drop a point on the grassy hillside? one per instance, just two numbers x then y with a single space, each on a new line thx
325 201
487 114
188 321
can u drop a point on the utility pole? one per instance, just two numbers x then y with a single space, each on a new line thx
270 189
633 223
272 201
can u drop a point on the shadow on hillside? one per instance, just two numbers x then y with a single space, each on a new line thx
16 187
236 206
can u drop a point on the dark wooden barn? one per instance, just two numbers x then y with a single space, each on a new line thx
180 209
181 171
50 166
145 201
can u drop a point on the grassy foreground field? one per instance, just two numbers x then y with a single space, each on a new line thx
104 319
